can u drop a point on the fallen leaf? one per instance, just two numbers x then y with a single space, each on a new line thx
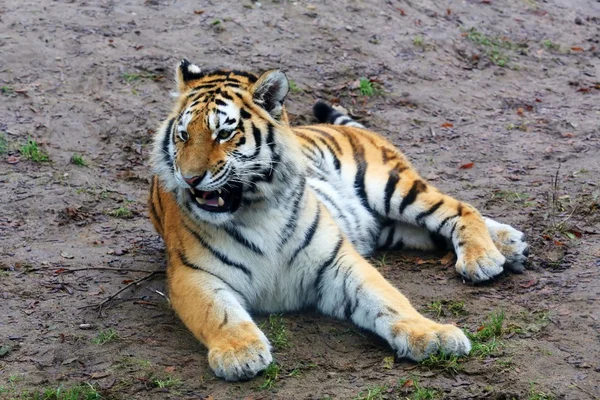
67 255
60 270
13 159
467 166
538 100
447 125
448 11
558 243
388 362
448 258
401 11
528 284
127 281
575 233
408 383
520 111
198 12
567 134
4 350
577 48
170 369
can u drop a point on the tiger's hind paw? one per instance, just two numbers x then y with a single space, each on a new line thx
511 243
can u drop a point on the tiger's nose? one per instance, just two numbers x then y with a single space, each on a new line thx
194 180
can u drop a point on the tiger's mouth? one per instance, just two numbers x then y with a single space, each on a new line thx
225 199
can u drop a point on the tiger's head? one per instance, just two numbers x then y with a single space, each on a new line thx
224 141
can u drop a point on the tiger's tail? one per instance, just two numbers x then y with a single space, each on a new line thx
326 114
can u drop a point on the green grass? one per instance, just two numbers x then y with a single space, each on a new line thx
537 395
441 308
494 47
165 383
294 88
271 376
31 151
415 391
106 336
443 362
7 90
372 393
436 308
121 212
550 45
77 159
368 88
3 143
511 196
81 392
493 327
136 76
418 41
277 333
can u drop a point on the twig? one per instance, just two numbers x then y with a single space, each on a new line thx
100 305
593 396
92 268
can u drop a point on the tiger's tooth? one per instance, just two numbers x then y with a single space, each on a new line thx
221 202
200 200
219 191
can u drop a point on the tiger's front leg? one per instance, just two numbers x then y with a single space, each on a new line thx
349 287
212 310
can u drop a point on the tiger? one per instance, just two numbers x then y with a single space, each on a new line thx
261 217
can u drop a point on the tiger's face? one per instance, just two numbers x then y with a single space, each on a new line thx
219 141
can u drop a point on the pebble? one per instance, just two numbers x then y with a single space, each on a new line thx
578 21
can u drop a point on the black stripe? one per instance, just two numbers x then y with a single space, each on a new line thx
290 227
190 264
311 142
218 255
326 135
321 271
390 238
438 241
390 187
444 222
251 77
411 196
225 318
166 141
225 95
336 161
238 237
452 230
220 102
152 207
308 236
361 170
244 114
425 214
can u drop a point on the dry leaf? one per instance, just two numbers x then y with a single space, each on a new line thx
467 166
577 48
447 125
388 362
448 258
198 12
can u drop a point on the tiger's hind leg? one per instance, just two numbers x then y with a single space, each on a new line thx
510 241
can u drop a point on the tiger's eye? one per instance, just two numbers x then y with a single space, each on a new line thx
183 135
224 134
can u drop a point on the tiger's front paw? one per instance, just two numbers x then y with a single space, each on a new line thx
421 338
240 355
479 263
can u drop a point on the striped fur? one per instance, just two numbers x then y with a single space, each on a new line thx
313 202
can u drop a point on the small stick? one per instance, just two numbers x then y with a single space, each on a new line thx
100 305
92 268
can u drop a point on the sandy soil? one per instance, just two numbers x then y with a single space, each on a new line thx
511 86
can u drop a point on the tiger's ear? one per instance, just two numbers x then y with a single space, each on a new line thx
269 92
185 74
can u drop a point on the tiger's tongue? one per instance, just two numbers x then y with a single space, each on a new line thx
212 202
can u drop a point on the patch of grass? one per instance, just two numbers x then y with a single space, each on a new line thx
416 391
443 362
165 383
441 308
3 143
31 151
136 76
457 308
372 393
550 45
537 395
7 90
492 328
436 308
509 195
368 88
216 22
127 362
77 159
80 392
485 349
106 336
494 47
293 87
418 41
277 333
121 212
271 376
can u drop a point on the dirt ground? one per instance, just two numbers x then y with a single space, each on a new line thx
496 102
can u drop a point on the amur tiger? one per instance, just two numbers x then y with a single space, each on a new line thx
258 216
